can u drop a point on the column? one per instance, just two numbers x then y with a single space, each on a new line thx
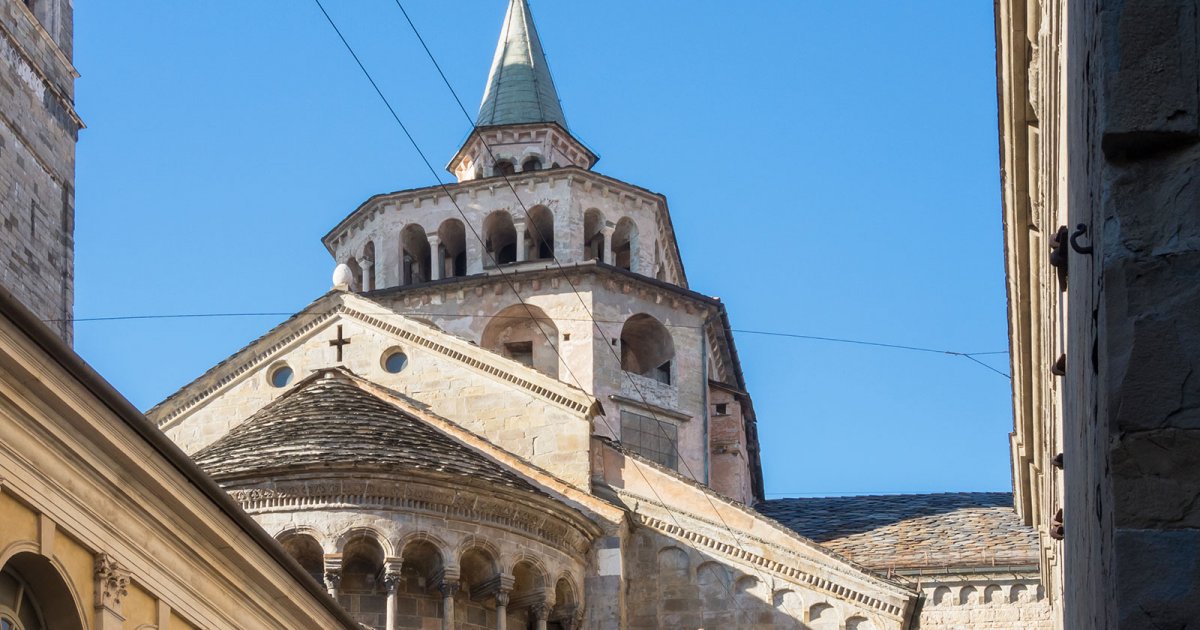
520 225
540 614
448 588
501 610
606 255
333 574
391 581
437 263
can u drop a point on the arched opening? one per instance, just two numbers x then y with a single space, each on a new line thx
414 255
499 239
539 234
355 273
476 567
525 334
593 235
504 168
361 590
532 163
822 617
452 249
529 588
422 561
624 244
34 596
566 603
368 265
859 623
647 348
307 552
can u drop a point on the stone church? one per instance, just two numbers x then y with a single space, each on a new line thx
512 411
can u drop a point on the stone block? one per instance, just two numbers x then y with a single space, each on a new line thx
1150 95
1159 574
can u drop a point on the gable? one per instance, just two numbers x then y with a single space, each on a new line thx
520 410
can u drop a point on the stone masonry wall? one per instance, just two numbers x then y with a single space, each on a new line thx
997 602
1133 422
37 161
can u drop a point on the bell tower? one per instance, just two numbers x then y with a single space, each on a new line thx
521 126
38 130
535 256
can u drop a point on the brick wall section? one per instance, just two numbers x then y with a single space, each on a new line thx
38 130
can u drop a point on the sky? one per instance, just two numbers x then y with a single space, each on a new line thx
831 168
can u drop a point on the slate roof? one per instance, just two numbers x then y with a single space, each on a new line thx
330 423
519 87
942 531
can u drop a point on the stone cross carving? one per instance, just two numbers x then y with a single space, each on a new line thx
339 342
112 583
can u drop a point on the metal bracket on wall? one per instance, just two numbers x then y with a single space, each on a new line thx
1080 230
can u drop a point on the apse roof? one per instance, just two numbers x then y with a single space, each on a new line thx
328 422
966 529
519 87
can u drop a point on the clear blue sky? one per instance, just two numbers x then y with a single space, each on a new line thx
831 169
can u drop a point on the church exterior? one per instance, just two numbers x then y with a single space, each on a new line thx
510 411
513 411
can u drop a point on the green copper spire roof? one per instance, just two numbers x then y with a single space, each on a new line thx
519 88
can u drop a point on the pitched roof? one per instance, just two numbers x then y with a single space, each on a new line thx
944 531
329 422
519 87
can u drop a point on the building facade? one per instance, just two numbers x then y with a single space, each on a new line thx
38 129
1099 124
512 411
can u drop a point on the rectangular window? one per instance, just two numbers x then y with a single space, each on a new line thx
653 439
722 409
520 351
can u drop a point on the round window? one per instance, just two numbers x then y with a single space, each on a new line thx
395 361
281 376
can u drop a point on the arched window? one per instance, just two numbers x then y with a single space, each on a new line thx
504 168
307 552
422 562
368 264
593 235
414 259
452 249
533 163
525 334
539 235
624 244
356 273
647 348
476 567
499 239
34 596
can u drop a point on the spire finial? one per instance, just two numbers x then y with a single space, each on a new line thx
519 88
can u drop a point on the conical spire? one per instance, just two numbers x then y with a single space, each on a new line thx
519 88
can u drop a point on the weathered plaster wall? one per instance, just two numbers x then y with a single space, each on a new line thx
38 129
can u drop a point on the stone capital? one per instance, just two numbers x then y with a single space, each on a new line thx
391 581
112 583
449 588
333 577
540 612
502 598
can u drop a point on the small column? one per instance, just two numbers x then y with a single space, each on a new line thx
391 582
520 225
606 255
333 574
540 614
501 610
449 589
437 264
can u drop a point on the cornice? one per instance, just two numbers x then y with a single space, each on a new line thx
789 571
545 521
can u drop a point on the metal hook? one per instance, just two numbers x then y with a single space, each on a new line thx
1080 230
